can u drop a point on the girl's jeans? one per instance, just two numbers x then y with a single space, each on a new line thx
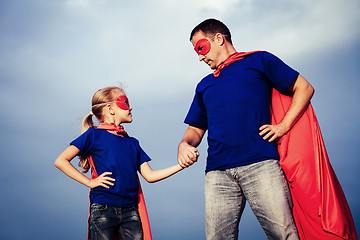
106 221
265 187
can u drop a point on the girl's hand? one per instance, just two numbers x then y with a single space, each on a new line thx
102 181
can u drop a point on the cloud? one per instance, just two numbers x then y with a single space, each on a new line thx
219 7
294 28
78 3
56 54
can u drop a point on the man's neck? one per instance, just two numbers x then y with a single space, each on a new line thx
227 52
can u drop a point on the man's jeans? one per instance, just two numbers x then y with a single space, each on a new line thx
265 187
106 222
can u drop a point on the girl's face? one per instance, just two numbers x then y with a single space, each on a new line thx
122 109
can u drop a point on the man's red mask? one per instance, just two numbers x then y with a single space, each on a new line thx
203 46
123 102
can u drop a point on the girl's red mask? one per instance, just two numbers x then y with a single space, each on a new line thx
123 102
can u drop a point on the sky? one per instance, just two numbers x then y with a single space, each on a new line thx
55 54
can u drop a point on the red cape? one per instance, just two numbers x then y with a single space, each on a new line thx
320 207
143 215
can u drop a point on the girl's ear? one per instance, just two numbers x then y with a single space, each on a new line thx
109 109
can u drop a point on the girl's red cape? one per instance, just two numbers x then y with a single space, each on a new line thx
143 215
320 207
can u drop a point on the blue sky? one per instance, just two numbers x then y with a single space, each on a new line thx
55 54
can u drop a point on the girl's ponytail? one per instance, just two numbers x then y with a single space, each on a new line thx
87 122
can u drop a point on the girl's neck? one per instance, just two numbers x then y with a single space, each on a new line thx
111 123
110 120
112 128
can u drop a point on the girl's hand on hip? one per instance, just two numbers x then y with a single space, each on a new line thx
102 181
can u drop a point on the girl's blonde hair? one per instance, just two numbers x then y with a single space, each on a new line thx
98 102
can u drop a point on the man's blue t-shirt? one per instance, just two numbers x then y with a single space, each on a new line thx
233 106
112 153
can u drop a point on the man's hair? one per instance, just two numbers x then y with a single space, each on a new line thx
211 27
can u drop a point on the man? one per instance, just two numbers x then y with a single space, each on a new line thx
242 163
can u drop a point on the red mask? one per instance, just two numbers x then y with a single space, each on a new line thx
123 102
203 46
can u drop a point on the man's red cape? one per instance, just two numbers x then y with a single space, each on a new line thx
320 207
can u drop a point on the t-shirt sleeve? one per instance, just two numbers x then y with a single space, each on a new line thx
278 72
84 142
197 113
142 156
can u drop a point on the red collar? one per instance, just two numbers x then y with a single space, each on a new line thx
112 127
232 58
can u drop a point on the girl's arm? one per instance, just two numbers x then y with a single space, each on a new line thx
63 163
157 175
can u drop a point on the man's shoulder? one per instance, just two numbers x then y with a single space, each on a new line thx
205 82
259 54
256 59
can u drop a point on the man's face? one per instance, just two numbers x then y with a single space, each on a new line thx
206 48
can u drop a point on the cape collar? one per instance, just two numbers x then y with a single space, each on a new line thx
232 58
112 127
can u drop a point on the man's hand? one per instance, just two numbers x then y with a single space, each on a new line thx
273 132
303 92
187 155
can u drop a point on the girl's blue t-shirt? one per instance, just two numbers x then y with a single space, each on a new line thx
233 106
112 153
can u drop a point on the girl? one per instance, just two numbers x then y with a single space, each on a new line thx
114 158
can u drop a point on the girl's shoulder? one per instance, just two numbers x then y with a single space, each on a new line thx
132 139
91 132
101 133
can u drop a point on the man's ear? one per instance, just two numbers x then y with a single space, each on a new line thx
220 39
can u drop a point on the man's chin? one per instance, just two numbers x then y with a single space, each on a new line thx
212 66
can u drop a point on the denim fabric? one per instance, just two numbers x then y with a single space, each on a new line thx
106 222
263 185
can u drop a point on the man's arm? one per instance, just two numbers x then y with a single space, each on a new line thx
303 92
187 152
